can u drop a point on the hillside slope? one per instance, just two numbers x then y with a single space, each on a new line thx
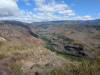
28 49
22 53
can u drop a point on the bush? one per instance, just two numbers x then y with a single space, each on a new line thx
2 56
16 68
85 68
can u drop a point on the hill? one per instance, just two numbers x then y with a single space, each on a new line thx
50 48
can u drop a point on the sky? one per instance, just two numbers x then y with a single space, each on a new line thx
49 10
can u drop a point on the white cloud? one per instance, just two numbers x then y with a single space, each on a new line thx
98 14
43 12
8 8
86 17
53 10
39 3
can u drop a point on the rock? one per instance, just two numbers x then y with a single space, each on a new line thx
75 50
2 39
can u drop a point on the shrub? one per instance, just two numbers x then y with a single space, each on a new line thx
85 68
2 56
16 68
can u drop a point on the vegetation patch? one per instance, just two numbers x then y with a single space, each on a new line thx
70 48
85 68
2 56
16 68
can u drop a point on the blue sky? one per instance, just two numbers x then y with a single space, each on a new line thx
84 7
47 10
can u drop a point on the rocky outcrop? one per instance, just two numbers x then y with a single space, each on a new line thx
75 50
2 39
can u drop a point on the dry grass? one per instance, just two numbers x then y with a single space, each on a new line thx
16 68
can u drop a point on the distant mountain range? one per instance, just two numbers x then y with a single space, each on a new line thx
67 22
